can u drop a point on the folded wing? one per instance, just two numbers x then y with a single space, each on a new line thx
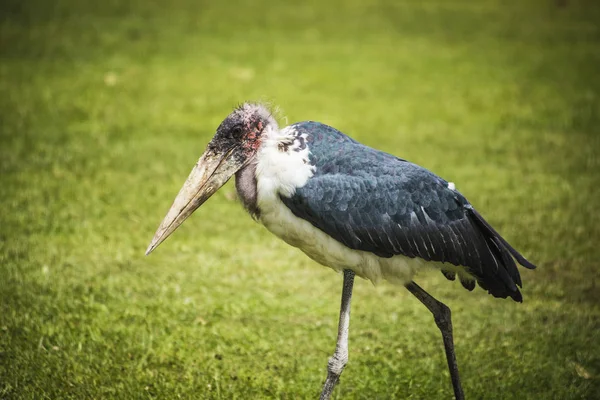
375 202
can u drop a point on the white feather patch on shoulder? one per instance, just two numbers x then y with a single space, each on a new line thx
281 166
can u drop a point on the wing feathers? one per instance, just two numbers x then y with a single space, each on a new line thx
374 202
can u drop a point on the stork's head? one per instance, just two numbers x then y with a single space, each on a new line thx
234 145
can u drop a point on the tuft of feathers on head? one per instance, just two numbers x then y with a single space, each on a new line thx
248 110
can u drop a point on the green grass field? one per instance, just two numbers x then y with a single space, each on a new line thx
105 108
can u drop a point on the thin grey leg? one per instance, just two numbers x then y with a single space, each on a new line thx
338 361
441 315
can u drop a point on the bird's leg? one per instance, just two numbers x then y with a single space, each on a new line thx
441 314
338 361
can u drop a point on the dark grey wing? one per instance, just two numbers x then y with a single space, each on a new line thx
387 206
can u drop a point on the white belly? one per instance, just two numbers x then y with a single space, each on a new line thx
327 251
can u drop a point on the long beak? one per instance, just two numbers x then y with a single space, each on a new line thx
209 174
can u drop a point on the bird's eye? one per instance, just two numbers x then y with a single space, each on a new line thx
236 131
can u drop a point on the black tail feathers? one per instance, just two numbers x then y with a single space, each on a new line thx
503 280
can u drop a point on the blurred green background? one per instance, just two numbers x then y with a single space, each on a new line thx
105 107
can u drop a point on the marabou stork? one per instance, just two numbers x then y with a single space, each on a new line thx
353 209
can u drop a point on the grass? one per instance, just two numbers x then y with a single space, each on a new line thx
106 106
